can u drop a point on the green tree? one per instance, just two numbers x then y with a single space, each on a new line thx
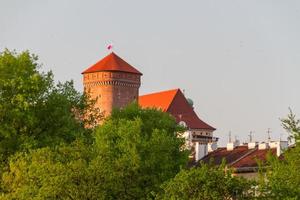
292 126
141 149
34 112
133 153
68 172
281 180
208 183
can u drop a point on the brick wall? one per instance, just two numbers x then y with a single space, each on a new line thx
112 89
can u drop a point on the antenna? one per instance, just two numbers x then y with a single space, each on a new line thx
250 136
229 137
280 137
183 91
269 137
235 138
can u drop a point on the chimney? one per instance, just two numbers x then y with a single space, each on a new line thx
252 145
263 145
232 145
279 145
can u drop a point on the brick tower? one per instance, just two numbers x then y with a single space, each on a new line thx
113 82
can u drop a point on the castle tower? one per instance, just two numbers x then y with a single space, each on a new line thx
113 82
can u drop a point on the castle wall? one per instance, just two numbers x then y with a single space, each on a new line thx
112 89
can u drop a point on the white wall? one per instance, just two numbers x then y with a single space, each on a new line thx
201 151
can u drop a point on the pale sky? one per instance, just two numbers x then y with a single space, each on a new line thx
239 60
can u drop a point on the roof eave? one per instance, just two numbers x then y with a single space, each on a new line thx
88 72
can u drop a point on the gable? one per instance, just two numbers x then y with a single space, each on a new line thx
175 103
183 111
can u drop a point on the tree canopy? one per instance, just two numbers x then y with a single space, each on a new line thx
142 148
207 182
133 153
34 111
281 180
67 172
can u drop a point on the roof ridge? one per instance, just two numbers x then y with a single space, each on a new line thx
161 92
166 97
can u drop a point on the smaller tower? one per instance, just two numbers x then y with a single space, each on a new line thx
113 82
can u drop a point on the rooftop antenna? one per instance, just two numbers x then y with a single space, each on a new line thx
235 138
280 137
183 91
269 137
229 137
250 136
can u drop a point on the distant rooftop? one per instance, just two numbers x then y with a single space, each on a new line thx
241 157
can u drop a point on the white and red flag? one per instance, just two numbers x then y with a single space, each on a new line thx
109 47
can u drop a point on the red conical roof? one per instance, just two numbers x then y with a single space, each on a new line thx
112 62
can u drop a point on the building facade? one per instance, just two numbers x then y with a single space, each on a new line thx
114 83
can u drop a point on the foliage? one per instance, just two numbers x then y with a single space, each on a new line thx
281 180
68 172
292 126
127 161
34 112
141 149
208 183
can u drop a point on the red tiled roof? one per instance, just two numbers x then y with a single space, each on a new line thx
112 62
239 157
229 156
251 159
160 100
174 102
